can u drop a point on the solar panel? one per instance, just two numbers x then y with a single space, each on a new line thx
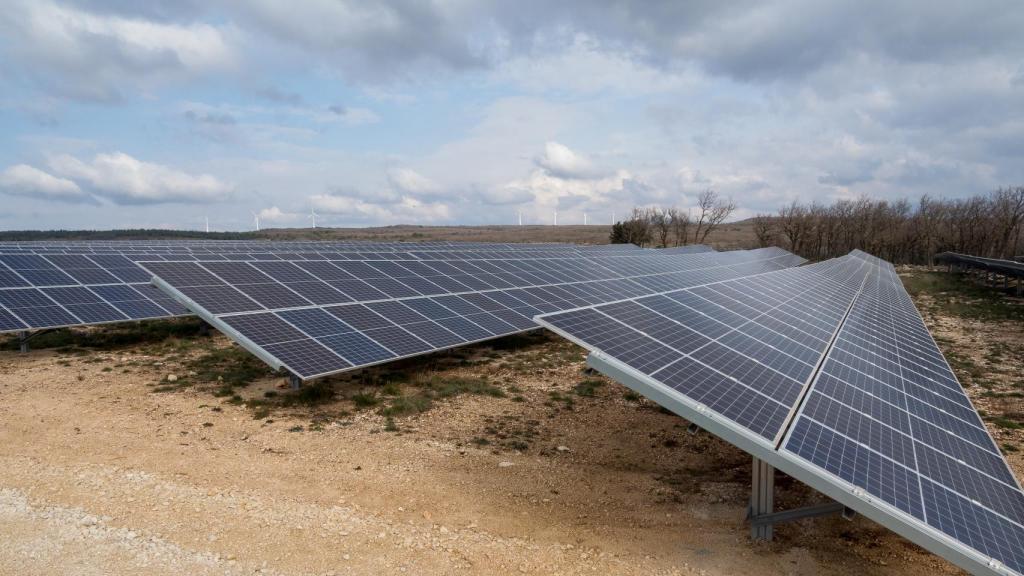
394 320
81 283
828 373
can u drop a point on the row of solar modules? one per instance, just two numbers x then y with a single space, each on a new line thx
39 291
120 246
830 367
291 315
996 265
56 290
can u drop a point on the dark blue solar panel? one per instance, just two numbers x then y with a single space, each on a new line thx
359 317
315 322
236 273
219 299
272 295
434 334
396 312
9 279
465 328
45 316
458 305
8 322
47 277
141 309
71 295
263 328
398 341
24 297
358 290
318 292
96 312
429 308
357 348
307 357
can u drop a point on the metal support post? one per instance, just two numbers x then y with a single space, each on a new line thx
204 328
294 382
23 341
762 496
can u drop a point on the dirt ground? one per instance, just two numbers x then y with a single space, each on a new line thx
106 467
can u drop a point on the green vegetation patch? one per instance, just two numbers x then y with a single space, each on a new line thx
180 331
958 295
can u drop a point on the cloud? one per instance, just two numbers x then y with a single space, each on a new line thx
24 180
412 183
90 56
351 209
561 162
119 178
280 96
275 214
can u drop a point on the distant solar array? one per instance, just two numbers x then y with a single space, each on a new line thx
316 318
47 285
828 373
1008 268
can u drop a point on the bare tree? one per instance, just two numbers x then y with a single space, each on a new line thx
661 224
680 222
764 229
1008 214
713 211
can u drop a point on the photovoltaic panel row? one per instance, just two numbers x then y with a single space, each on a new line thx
887 416
40 291
272 312
745 348
884 426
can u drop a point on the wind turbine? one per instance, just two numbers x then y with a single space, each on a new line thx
256 217
584 218
207 224
520 212
312 214
556 218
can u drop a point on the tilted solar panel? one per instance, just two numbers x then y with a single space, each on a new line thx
55 284
828 373
402 316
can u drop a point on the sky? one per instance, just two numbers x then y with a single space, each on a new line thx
128 114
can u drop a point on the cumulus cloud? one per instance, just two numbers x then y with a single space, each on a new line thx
95 56
351 209
126 180
24 180
560 161
116 177
412 183
276 215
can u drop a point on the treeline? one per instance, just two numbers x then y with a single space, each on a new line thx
990 225
664 227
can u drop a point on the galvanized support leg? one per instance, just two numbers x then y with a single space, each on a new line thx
23 341
762 497
294 382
